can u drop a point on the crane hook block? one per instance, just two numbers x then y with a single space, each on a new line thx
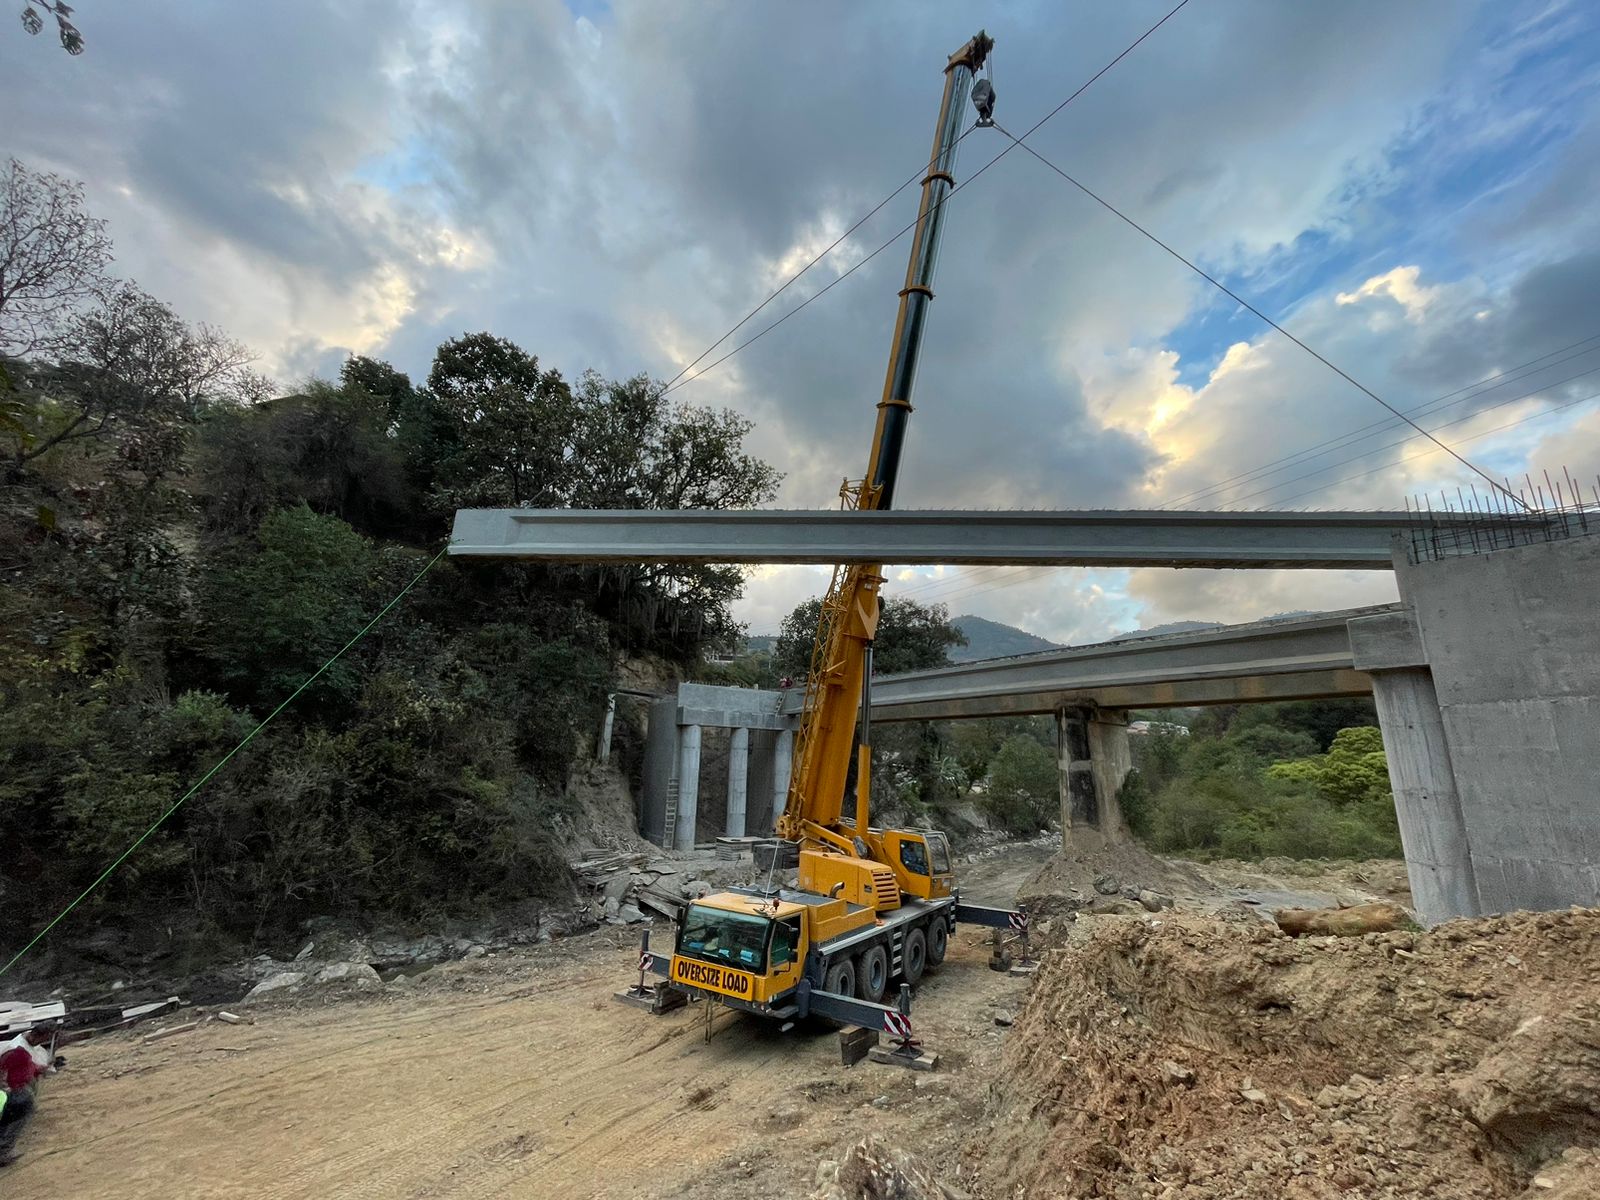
983 101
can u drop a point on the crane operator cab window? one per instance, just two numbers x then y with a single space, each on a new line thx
914 857
733 939
939 849
785 943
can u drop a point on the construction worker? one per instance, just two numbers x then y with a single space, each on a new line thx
22 1060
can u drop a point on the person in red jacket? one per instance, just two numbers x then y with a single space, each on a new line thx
22 1061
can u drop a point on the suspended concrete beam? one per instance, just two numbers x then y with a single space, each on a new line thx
1340 540
1295 658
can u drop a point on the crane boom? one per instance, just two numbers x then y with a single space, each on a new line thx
841 662
868 908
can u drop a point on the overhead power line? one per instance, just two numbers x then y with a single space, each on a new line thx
680 379
1333 466
1474 390
1245 304
1471 437
920 173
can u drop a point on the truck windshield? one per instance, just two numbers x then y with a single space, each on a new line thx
737 939
939 851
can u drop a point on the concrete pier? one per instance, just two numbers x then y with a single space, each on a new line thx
738 780
1093 760
1512 642
1421 775
688 786
782 768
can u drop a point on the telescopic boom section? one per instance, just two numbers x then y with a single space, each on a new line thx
841 660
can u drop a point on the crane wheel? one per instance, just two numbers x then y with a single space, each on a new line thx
914 956
938 941
841 978
872 973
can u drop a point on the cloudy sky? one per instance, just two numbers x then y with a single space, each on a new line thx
1408 187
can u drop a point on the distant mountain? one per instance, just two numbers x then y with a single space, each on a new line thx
1169 627
990 639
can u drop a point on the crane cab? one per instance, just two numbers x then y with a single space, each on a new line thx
919 858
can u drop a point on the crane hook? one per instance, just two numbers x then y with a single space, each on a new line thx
983 101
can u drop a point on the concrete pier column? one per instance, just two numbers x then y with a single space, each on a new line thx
782 767
738 780
604 754
1080 802
1432 831
1093 760
688 786
1110 762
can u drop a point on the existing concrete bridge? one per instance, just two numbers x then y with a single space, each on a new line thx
1289 658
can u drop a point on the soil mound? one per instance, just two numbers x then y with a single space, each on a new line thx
1183 1057
1075 875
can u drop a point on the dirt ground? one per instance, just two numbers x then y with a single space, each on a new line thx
1196 1054
514 1076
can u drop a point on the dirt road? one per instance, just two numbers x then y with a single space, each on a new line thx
505 1077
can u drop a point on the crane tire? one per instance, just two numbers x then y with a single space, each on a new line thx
938 941
841 978
914 956
872 973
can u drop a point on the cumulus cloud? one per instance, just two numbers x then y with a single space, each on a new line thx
615 185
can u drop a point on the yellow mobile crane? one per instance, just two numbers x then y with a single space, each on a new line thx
871 905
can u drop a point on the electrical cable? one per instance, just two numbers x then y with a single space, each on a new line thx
679 381
1469 438
832 246
1245 304
1438 403
220 763
1272 487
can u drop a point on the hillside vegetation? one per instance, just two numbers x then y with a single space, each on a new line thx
183 548
1302 780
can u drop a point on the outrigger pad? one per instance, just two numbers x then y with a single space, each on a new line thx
915 1060
855 1043
652 998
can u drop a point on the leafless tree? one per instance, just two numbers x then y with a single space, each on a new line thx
132 365
53 258
71 39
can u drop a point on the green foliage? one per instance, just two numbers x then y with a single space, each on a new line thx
1353 772
185 552
911 637
276 611
1023 785
1257 790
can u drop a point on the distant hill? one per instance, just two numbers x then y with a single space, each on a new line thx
1169 627
991 639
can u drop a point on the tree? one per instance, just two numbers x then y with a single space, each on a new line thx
53 258
327 447
135 370
1024 785
911 637
71 39
275 612
514 423
1353 771
389 388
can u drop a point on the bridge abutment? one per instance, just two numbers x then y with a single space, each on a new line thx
1512 645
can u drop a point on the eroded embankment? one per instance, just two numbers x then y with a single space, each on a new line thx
1184 1057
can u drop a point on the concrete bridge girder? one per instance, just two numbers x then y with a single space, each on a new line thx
1096 538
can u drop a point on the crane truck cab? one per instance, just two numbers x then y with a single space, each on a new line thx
756 950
